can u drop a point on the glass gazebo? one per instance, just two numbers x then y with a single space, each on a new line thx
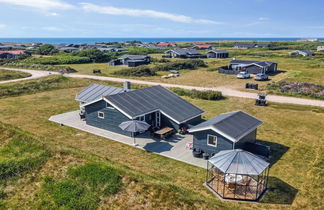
237 174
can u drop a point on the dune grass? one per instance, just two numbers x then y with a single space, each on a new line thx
292 131
10 75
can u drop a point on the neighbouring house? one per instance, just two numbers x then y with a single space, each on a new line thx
69 49
106 107
308 40
252 67
217 54
11 54
131 60
183 53
320 48
202 47
12 47
233 130
250 45
302 52
166 44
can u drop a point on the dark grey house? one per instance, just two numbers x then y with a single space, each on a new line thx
225 132
106 107
131 60
183 53
217 54
252 67
302 52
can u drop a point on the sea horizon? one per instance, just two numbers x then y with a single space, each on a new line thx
84 40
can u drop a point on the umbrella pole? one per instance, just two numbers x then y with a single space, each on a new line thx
134 140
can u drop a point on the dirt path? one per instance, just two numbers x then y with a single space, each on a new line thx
225 90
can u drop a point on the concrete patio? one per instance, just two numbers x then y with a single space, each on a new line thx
174 148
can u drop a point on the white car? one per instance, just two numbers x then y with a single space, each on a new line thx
243 75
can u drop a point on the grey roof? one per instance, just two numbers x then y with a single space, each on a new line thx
233 124
218 51
238 162
185 51
150 99
245 45
133 57
248 62
95 91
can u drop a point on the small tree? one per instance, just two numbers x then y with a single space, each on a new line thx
46 49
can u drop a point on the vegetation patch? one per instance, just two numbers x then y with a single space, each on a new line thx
297 89
140 71
9 75
205 95
180 65
54 60
82 188
65 69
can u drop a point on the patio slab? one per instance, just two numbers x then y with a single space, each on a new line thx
174 148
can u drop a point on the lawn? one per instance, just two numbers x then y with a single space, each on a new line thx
292 131
9 75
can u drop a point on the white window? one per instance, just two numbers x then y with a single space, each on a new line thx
141 118
109 106
101 115
212 140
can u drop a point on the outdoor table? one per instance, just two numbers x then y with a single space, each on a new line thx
164 132
230 178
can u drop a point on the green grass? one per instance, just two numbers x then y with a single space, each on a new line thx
10 75
149 180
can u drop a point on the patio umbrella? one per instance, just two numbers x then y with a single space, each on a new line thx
134 126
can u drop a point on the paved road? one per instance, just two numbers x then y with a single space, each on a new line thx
34 75
225 90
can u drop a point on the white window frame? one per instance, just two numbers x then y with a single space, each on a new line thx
208 135
103 115
142 118
109 106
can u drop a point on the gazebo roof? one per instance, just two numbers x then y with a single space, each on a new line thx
238 162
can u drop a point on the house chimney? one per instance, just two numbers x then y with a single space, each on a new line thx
127 86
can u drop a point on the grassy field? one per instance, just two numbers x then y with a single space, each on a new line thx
9 75
295 68
153 181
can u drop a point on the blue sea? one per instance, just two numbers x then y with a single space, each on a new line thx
93 40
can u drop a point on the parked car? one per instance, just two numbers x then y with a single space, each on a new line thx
261 77
243 75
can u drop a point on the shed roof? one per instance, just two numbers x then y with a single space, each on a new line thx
143 101
133 57
185 51
95 91
232 125
217 51
249 62
239 162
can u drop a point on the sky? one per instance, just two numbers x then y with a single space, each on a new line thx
161 18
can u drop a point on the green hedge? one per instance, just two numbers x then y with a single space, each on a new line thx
57 60
205 95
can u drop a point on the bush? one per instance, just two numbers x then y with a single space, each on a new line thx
57 60
179 65
205 95
46 49
140 71
94 55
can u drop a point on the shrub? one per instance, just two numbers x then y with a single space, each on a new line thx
46 49
205 95
139 71
95 55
